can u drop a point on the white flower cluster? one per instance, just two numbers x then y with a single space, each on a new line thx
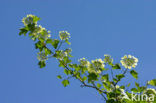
84 62
62 54
96 66
98 63
39 32
43 33
129 61
42 56
64 35
28 20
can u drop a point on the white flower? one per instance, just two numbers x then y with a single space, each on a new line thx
129 61
108 59
117 86
38 32
64 35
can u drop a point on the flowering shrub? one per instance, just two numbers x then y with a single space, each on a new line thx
93 74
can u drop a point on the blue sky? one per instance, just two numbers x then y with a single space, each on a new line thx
97 27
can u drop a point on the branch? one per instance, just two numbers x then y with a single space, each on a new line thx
84 84
118 79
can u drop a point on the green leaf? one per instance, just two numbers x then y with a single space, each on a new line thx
66 60
107 85
84 78
98 85
77 74
31 27
110 101
128 84
55 43
92 77
49 41
115 80
134 74
73 65
83 70
116 66
137 84
39 45
140 89
105 77
59 77
42 64
134 90
61 65
47 51
67 42
67 72
65 82
35 19
77 68
120 76
23 31
152 82
122 87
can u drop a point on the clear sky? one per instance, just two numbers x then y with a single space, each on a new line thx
97 27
